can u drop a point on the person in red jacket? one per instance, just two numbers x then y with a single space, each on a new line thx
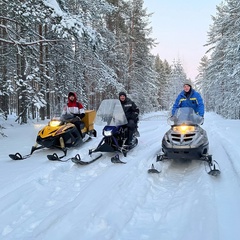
76 108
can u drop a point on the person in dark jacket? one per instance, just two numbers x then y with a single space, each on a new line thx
131 111
189 98
76 108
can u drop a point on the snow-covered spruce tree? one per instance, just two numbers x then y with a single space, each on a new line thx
175 82
22 39
224 68
141 78
58 46
94 74
201 81
163 70
42 36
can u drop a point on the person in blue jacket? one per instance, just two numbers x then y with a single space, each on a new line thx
189 98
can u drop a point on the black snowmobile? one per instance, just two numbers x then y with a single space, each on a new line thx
111 115
61 133
186 140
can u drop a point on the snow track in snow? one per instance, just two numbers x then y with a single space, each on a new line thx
41 199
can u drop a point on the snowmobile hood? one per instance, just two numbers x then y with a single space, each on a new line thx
52 130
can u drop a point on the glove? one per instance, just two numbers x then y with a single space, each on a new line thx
75 119
79 116
82 115
202 121
137 116
134 116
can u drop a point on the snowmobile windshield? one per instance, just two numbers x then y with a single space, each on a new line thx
56 111
110 113
187 116
67 116
57 121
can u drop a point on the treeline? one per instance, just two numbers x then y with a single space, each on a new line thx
100 47
219 70
95 48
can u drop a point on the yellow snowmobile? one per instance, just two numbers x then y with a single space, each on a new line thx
61 133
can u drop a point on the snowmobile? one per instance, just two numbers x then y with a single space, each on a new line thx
186 140
115 132
61 133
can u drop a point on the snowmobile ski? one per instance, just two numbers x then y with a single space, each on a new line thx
213 170
55 157
18 156
77 159
116 159
153 170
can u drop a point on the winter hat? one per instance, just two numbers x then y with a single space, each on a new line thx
187 82
71 94
122 93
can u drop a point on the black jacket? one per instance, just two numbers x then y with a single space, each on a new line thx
130 108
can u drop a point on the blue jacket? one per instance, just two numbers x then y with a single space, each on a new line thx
194 101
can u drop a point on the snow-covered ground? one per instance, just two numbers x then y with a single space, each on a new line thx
45 200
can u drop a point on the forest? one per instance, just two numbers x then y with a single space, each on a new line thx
100 47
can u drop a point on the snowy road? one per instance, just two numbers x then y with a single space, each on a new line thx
40 199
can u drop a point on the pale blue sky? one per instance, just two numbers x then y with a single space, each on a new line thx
180 27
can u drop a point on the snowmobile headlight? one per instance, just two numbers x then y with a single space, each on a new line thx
107 133
184 129
54 123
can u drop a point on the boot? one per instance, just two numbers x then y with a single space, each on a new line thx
130 137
